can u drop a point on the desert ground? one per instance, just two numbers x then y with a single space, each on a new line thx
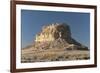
53 55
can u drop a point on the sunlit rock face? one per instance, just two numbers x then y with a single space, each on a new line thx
53 32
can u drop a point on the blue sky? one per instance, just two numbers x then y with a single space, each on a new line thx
33 20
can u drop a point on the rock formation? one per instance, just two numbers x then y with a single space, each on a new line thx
57 33
54 43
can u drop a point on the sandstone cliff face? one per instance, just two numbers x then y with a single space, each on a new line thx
55 43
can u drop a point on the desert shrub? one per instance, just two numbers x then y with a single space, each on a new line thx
85 57
66 57
60 57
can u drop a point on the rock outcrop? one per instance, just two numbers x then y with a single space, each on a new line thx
54 43
58 33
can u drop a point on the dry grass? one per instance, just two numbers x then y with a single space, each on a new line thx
53 55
